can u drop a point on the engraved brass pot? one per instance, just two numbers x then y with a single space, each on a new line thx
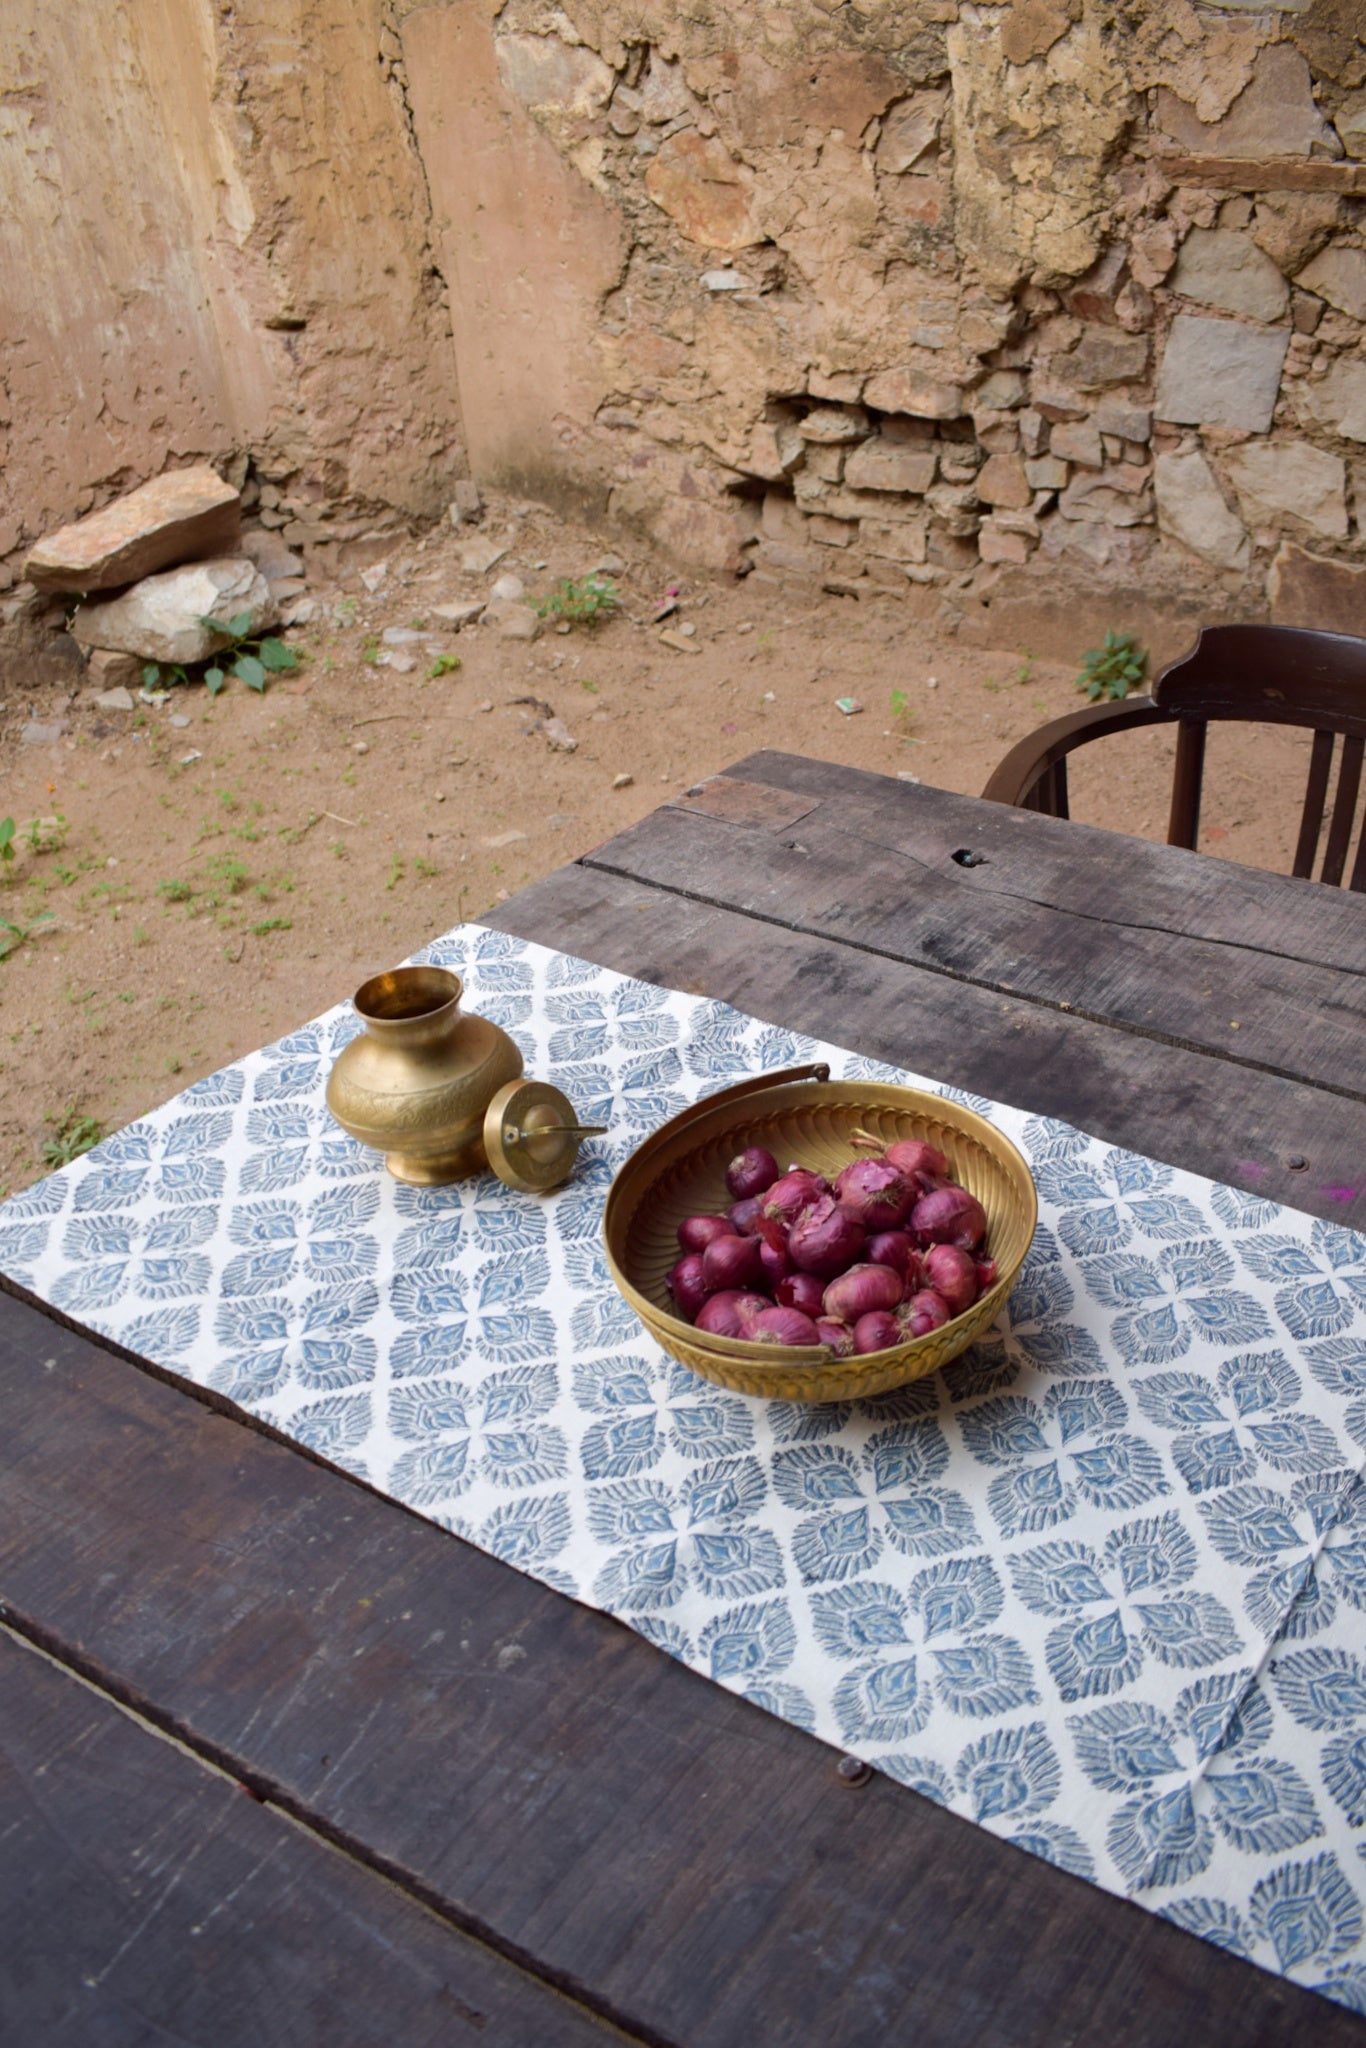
416 1084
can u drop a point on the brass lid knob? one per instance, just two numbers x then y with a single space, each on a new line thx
532 1136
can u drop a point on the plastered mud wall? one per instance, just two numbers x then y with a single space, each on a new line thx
213 245
1006 308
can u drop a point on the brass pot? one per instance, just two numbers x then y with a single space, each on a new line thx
417 1083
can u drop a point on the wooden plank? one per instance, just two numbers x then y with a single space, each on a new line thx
1230 1123
1263 174
660 1848
744 803
876 870
146 1899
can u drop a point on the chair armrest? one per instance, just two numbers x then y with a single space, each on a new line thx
1032 757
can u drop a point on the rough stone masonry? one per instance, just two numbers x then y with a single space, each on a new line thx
1022 311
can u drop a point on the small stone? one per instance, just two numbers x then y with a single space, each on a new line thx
882 465
1102 357
907 391
501 839
1338 274
830 533
1129 422
724 281
1047 473
513 621
376 574
606 565
559 736
186 514
487 705
833 423
477 557
668 638
36 734
1350 122
1315 591
1002 391
564 626
301 612
1076 441
110 671
1118 495
401 636
999 545
402 664
117 699
688 631
272 557
360 746
160 617
1220 373
466 502
1338 401
1192 510
622 781
509 590
438 796
458 614
178 718
1002 481
1294 478
1222 268
1033 432
188 760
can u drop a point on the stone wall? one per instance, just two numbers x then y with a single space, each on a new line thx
1013 309
213 245
1008 304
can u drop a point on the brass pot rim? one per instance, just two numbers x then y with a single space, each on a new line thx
442 984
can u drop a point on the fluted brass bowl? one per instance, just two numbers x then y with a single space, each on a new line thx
804 1118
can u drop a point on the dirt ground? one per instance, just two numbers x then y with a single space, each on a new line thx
214 872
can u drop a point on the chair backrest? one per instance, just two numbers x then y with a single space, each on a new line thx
1275 675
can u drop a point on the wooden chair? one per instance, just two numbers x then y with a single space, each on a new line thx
1272 675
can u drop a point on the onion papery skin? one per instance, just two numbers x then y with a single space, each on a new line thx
803 1291
732 1262
862 1291
897 1249
924 1312
695 1233
785 1326
838 1336
917 1160
952 1273
796 1191
728 1314
950 1215
746 1215
751 1172
824 1240
879 1330
875 1194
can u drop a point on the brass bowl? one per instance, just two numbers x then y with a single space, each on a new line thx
805 1118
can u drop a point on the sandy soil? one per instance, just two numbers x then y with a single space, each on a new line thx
212 883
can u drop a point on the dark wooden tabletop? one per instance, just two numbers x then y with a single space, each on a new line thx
282 1763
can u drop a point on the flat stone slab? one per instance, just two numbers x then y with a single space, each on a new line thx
1220 373
179 517
1315 591
161 618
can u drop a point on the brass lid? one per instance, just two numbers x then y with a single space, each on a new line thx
532 1135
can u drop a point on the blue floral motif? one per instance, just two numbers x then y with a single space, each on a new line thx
1010 1771
1307 1912
1176 1297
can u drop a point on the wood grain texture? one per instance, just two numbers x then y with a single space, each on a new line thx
672 1855
146 1899
1264 971
1230 1123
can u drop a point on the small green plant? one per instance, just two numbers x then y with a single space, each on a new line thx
271 924
370 651
425 868
12 935
1026 671
1114 668
6 839
395 875
582 600
444 665
248 656
587 683
73 1135
175 892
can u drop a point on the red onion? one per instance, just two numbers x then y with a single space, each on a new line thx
862 1290
695 1233
823 1239
744 1215
953 1274
732 1261
794 1192
917 1160
879 1330
751 1172
783 1326
986 1274
874 1194
687 1286
895 1248
838 1336
729 1313
801 1290
950 1215
771 1239
923 1312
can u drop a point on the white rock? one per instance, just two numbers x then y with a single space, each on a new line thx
509 590
117 699
1191 508
1339 276
724 281
1221 267
1291 477
159 618
477 557
1220 373
457 615
401 636
513 621
376 574
499 839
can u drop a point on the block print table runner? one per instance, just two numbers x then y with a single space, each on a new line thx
1101 1587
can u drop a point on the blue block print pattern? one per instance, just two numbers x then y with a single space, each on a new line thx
1101 1587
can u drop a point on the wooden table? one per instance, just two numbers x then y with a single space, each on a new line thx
412 1797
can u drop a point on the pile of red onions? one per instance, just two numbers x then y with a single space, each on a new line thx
892 1249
